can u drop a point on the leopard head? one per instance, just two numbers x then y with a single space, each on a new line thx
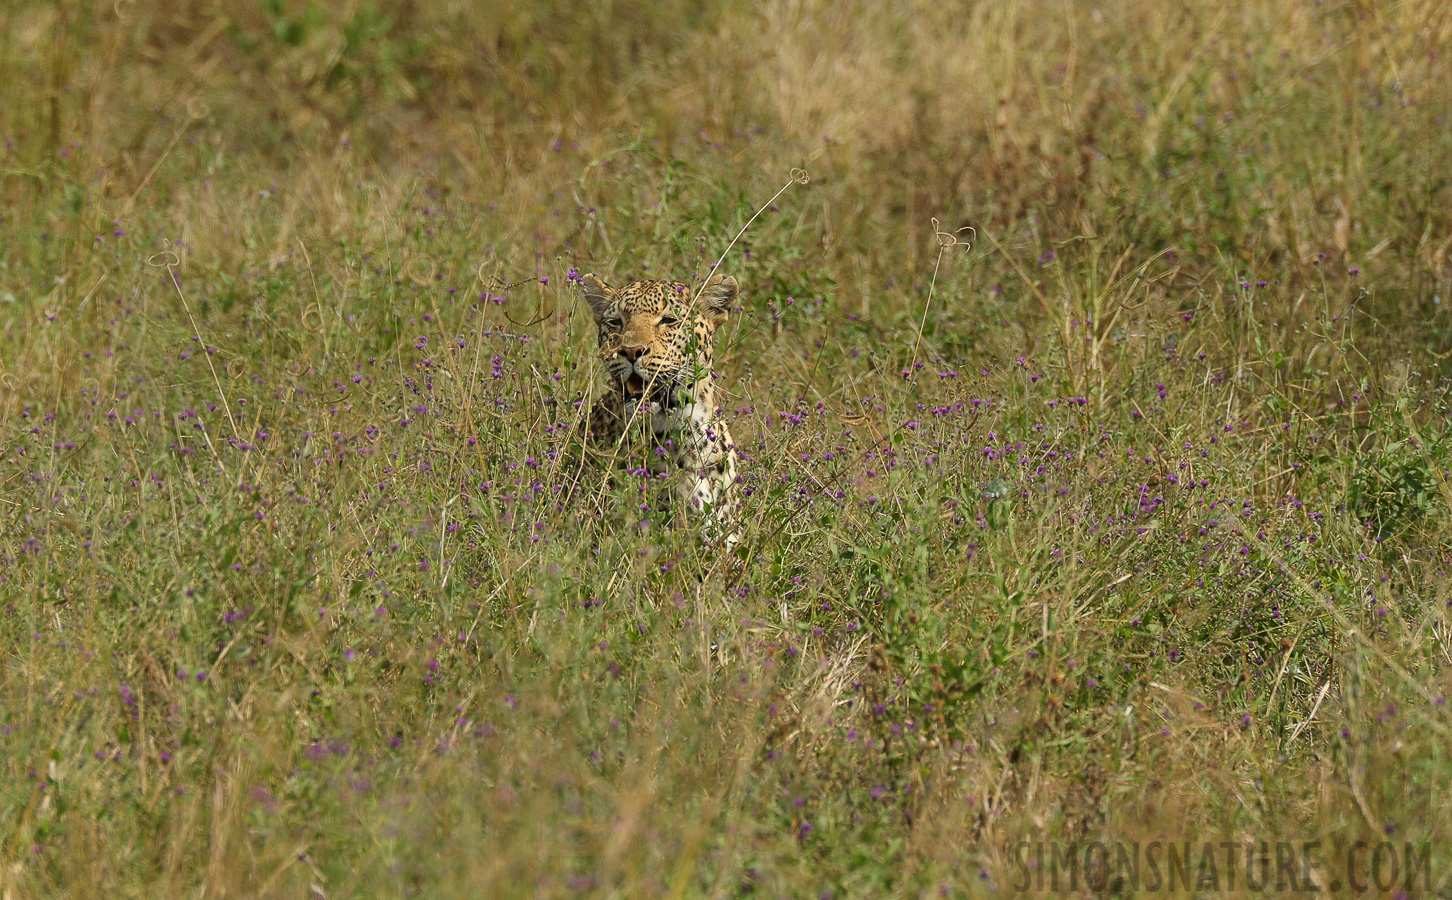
655 342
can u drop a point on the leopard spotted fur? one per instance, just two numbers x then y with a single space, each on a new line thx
657 343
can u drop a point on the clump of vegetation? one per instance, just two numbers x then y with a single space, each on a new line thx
1399 485
1126 524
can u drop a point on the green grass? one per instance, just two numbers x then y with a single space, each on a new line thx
307 592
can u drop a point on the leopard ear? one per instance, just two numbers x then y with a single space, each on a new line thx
718 297
597 294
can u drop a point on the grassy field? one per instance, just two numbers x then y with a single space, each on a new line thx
1124 519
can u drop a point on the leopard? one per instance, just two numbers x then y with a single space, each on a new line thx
657 347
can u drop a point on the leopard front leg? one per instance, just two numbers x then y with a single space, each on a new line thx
708 459
726 515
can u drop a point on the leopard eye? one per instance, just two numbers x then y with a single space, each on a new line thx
611 322
669 320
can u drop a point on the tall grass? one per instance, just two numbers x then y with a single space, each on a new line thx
1137 531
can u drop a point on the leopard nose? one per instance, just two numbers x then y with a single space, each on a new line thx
634 353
